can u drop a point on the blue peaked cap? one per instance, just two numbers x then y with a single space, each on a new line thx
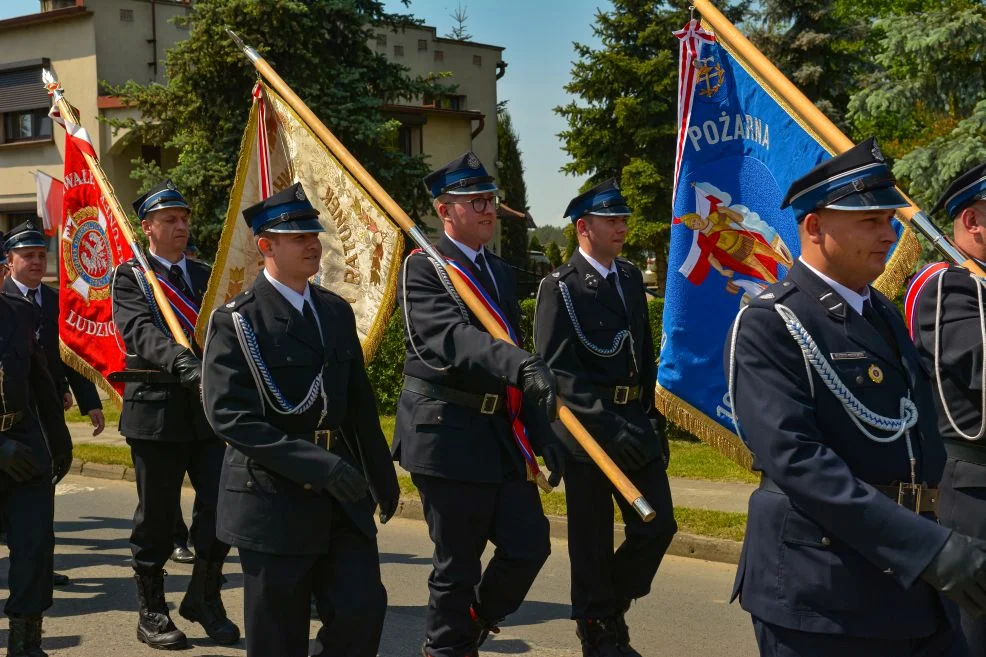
858 179
288 211
161 196
967 188
603 199
463 175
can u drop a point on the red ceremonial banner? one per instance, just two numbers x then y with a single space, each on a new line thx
90 247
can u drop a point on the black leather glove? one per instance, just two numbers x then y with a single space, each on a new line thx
188 368
628 447
17 460
959 571
660 425
345 483
539 385
388 507
61 465
554 454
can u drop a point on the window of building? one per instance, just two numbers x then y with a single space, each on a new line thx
422 45
26 125
445 101
477 60
127 15
398 51
23 102
382 40
439 56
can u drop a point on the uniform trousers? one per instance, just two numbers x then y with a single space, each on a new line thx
604 581
962 507
777 641
28 519
345 582
462 518
160 469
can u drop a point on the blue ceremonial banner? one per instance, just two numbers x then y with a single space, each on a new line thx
739 148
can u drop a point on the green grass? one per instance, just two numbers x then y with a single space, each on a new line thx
109 454
695 460
110 413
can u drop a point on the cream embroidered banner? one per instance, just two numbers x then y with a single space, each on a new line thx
362 247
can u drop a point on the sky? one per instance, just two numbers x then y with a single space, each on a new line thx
537 36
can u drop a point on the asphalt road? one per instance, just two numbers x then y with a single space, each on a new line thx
686 615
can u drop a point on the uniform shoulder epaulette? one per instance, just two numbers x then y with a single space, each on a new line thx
15 297
329 293
773 294
238 301
562 271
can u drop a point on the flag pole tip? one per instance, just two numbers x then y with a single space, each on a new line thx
247 50
47 76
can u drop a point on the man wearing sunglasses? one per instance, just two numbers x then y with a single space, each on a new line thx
455 431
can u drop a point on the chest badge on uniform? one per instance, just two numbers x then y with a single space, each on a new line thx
876 374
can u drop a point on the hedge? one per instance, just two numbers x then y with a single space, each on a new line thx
387 367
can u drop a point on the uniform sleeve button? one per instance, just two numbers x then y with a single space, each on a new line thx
307 486
826 541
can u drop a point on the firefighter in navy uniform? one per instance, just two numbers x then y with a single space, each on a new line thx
453 432
592 327
307 462
843 554
165 426
27 252
947 318
35 452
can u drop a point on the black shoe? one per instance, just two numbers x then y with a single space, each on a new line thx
598 637
154 626
58 579
203 603
623 634
182 555
25 637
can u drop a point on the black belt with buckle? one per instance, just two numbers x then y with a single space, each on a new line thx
916 497
974 452
8 420
487 404
619 395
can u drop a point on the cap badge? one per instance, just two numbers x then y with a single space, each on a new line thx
170 185
29 225
472 161
299 193
877 153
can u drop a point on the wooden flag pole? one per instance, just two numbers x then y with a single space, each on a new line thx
65 110
588 443
823 127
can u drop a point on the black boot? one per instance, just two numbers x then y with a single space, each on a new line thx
623 633
25 637
484 628
203 603
598 637
154 626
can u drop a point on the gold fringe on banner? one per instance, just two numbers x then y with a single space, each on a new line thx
77 363
702 427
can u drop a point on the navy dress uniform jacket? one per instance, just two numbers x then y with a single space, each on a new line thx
84 390
832 554
580 372
27 386
442 439
155 411
272 495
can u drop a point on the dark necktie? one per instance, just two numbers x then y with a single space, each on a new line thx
483 273
614 286
177 278
34 296
871 315
309 314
